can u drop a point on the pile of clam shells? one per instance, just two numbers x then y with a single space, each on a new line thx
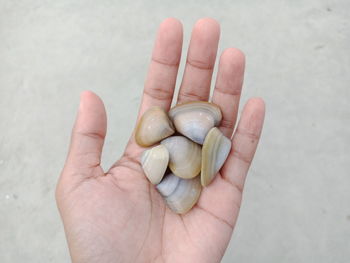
191 151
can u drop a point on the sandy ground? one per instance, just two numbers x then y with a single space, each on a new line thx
296 201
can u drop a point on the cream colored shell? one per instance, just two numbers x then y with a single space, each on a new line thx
215 150
195 119
184 156
153 126
155 162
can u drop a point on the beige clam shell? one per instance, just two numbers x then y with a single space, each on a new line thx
184 156
180 194
153 126
195 119
215 150
155 162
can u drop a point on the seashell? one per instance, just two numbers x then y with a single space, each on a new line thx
195 119
184 156
155 162
215 150
180 194
153 126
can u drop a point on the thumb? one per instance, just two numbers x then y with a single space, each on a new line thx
88 136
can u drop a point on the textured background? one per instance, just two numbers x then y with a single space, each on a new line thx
296 202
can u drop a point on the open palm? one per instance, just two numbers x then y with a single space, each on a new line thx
118 216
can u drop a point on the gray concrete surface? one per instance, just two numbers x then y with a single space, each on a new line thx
297 201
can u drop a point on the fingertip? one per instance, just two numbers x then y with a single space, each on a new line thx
257 104
207 30
207 23
87 93
87 98
91 111
171 28
204 43
233 56
253 115
168 45
231 69
171 22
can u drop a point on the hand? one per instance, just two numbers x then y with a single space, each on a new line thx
118 216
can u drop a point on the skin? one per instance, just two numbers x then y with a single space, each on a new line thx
117 215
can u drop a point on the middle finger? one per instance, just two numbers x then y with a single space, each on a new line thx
200 61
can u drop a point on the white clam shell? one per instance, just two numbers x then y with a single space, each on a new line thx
180 194
215 150
184 156
153 126
155 162
195 119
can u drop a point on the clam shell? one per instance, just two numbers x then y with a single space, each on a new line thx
155 162
153 126
195 119
180 194
215 150
184 156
